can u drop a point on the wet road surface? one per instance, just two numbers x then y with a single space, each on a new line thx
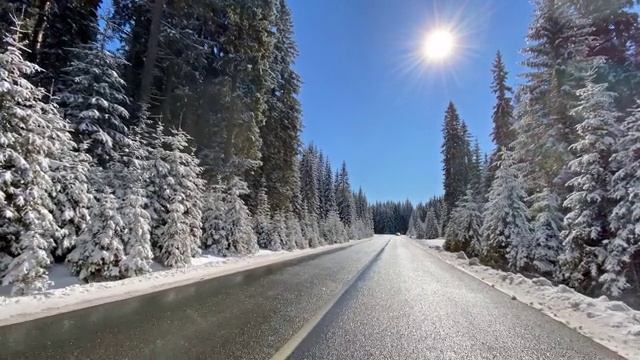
405 304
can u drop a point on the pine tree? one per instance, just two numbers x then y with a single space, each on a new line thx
557 55
279 231
100 250
464 233
430 225
239 238
333 230
344 197
505 229
308 179
621 263
66 25
94 100
294 232
179 193
214 226
311 229
589 203
262 224
31 135
503 133
280 132
546 227
71 198
454 151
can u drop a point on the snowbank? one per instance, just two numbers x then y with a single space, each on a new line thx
611 323
68 293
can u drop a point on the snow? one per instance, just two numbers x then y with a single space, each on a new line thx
610 323
69 293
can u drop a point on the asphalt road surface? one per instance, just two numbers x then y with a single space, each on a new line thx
381 299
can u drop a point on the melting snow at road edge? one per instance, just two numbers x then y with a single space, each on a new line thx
611 323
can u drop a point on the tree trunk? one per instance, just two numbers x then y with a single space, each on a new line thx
38 29
230 127
152 51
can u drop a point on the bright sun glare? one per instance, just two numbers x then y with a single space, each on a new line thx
439 45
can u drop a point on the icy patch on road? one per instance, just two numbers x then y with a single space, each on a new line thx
611 323
68 293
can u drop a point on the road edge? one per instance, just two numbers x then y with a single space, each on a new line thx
512 296
53 307
290 346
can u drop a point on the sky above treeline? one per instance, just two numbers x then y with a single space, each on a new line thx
371 99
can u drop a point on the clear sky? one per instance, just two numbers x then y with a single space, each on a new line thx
368 98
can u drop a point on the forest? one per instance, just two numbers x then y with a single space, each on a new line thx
141 131
559 196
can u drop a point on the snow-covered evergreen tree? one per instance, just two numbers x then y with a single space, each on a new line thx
176 191
240 238
464 228
31 134
333 230
279 231
262 224
431 224
294 232
311 229
621 251
214 234
100 247
586 224
71 197
94 99
505 231
546 227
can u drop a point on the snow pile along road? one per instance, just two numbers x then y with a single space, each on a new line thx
76 296
611 323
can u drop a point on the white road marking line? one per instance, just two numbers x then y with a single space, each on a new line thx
296 339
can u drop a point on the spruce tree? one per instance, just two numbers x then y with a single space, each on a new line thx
620 265
100 250
546 227
93 98
454 152
505 229
589 203
32 133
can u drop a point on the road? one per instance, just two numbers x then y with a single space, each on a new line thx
381 299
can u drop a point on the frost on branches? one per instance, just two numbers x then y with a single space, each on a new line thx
546 215
238 237
280 227
464 227
333 230
294 232
92 99
262 224
505 229
625 189
214 234
176 200
587 223
100 249
31 133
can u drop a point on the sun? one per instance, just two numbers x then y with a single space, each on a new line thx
439 45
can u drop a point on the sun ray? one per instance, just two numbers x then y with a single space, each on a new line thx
465 24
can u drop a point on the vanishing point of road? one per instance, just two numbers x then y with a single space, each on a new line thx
380 299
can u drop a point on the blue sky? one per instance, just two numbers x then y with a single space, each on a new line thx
369 100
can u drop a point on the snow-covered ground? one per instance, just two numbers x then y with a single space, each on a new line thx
68 293
611 323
